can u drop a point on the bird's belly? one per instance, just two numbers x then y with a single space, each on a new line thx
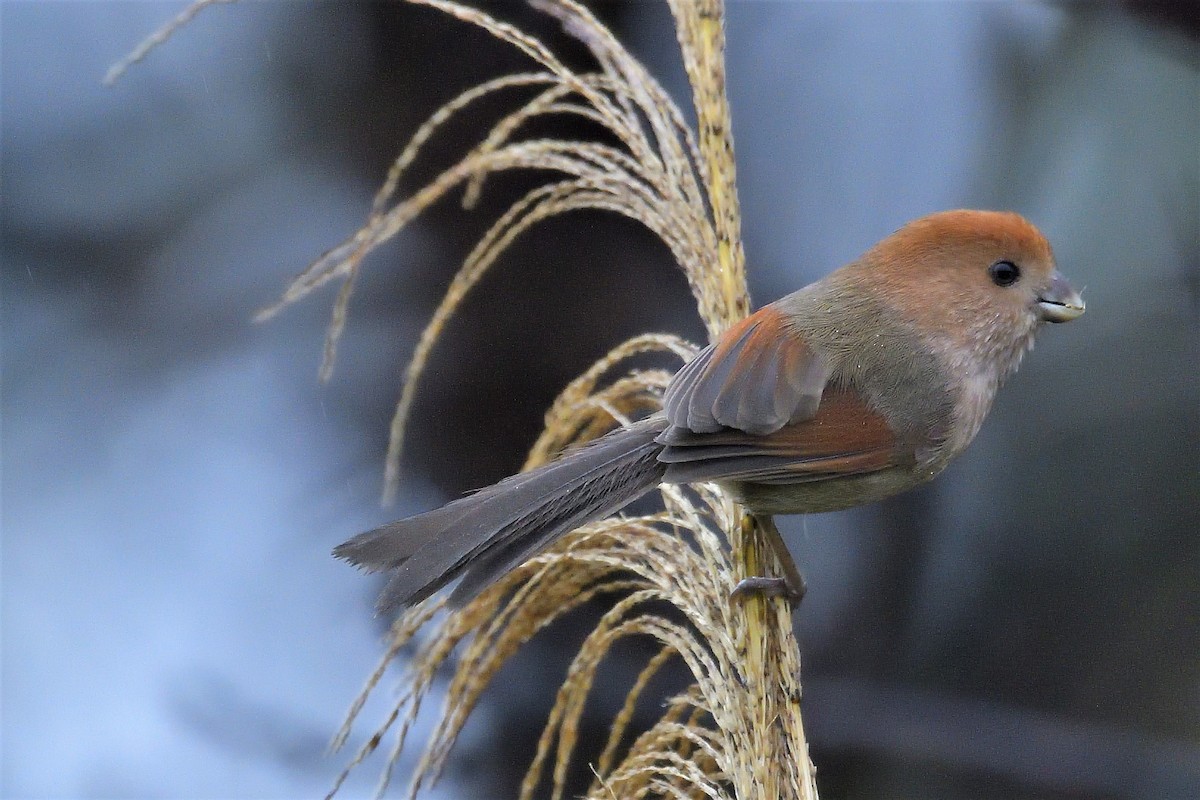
831 494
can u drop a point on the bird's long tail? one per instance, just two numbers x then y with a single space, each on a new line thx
484 535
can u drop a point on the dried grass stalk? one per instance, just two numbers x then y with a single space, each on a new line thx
736 732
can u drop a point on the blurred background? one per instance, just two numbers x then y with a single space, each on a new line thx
1028 626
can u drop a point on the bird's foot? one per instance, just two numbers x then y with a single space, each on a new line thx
791 586
770 587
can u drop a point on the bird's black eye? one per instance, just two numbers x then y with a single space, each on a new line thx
1004 273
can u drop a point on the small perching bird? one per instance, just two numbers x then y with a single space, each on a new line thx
857 387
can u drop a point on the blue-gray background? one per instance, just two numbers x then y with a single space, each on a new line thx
173 476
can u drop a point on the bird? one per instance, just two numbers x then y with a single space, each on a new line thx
859 386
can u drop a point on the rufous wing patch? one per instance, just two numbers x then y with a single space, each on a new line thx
844 437
759 377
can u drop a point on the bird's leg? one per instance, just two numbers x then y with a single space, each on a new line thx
791 585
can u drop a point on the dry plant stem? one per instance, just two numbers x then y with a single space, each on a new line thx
772 656
155 39
700 26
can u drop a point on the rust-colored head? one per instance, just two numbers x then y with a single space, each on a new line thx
980 279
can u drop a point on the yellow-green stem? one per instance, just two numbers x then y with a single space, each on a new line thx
780 766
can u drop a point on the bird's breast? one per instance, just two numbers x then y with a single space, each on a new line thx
830 494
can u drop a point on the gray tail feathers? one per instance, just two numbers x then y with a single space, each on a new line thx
484 535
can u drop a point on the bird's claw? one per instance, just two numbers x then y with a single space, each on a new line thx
768 587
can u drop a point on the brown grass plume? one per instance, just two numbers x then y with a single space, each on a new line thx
737 731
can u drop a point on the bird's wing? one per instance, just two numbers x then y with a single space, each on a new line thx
759 377
757 406
844 437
